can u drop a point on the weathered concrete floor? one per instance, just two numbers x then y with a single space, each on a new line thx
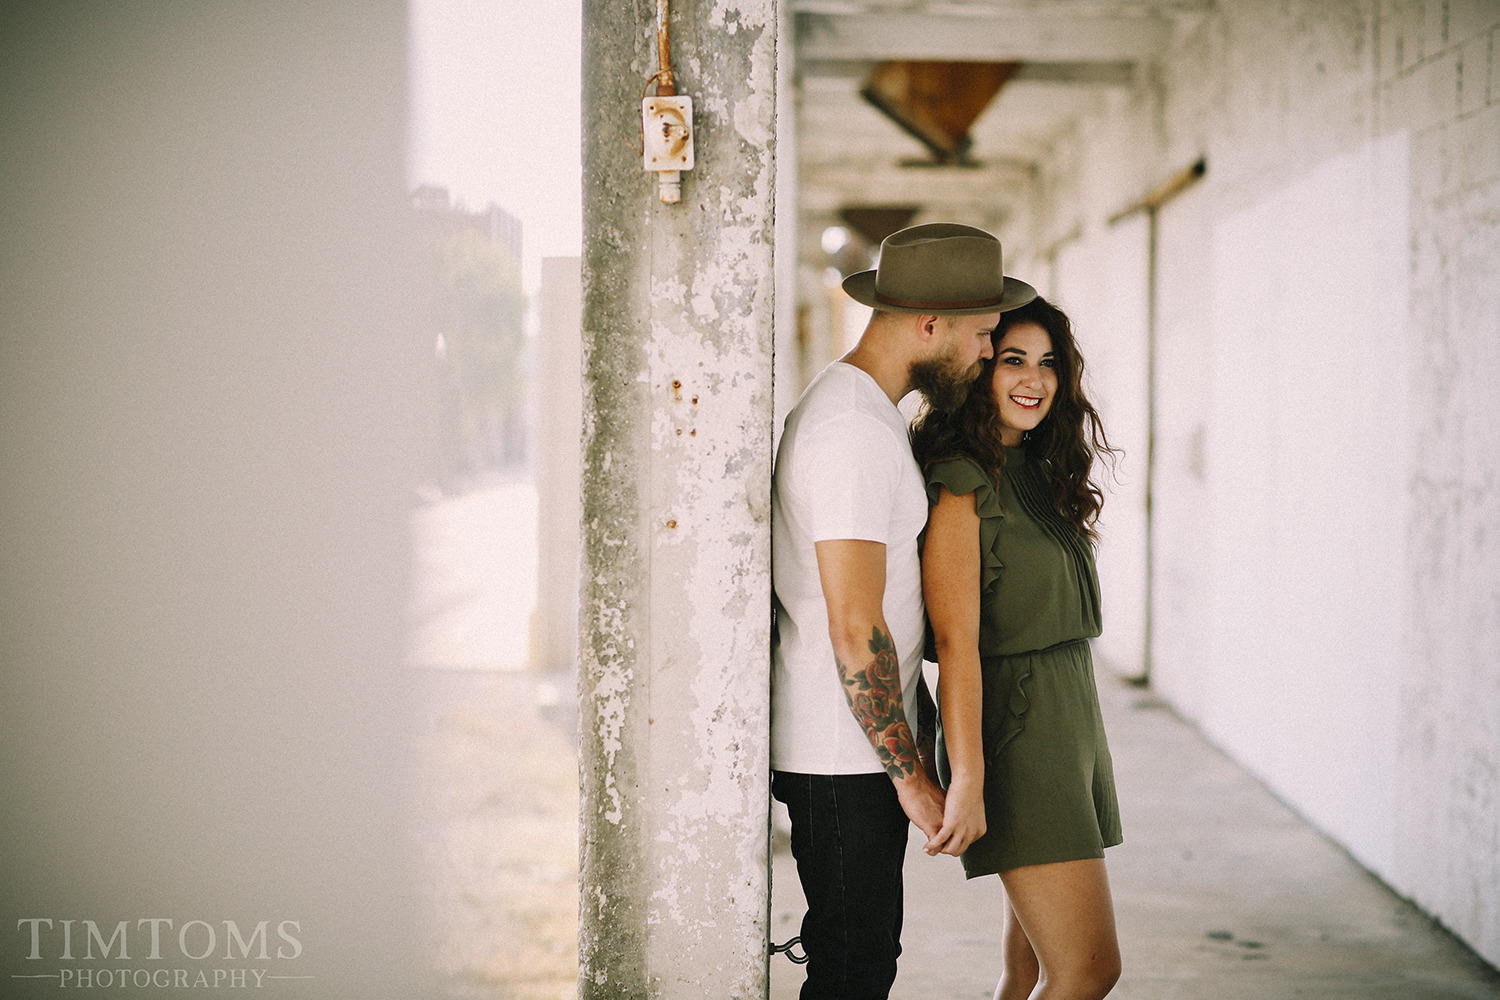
494 763
1220 892
495 832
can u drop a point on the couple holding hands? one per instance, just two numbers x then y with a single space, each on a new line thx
969 535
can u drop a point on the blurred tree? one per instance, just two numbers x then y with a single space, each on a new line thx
485 341
476 307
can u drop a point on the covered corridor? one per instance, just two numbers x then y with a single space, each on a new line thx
1273 225
210 360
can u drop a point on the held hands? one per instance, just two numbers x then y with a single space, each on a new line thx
962 821
874 695
963 818
951 821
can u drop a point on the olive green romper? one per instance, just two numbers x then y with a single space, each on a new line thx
1049 788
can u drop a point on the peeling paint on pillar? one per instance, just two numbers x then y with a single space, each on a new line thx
675 601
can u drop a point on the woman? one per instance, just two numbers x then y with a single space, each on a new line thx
1013 598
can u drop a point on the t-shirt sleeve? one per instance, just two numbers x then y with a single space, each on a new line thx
850 474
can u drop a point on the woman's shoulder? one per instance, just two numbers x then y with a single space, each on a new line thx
963 475
959 469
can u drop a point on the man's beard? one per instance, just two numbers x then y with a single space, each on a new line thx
942 382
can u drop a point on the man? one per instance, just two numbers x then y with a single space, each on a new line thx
848 503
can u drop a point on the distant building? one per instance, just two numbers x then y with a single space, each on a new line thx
494 223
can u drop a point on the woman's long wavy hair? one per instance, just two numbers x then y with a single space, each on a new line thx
1066 442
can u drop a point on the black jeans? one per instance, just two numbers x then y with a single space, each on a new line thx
849 838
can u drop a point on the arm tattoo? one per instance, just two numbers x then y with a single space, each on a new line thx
874 695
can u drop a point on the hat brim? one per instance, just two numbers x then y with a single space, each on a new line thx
860 287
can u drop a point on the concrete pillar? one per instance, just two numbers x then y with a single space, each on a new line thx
675 600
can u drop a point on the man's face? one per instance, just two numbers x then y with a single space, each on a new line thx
943 378
969 337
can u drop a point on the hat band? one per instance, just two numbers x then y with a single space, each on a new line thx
886 300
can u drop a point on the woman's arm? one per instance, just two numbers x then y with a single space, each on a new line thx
950 587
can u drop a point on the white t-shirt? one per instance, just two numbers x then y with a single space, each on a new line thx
844 469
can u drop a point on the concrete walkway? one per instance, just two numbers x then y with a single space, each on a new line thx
1221 893
474 576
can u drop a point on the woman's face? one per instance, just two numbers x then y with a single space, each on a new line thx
1025 380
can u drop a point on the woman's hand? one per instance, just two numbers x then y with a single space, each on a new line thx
963 816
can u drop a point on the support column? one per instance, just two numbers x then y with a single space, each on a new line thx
675 600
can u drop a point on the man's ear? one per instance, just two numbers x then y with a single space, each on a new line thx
929 328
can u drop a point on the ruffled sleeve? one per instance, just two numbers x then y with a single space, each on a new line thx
963 476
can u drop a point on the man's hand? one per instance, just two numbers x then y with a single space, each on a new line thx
923 802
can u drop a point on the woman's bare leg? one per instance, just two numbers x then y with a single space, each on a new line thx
1068 918
1019 974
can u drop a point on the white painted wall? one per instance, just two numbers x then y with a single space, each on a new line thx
1102 287
1305 462
1327 590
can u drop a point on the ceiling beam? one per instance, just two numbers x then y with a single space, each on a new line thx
936 102
1003 38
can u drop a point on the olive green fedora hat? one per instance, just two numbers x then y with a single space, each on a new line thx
941 268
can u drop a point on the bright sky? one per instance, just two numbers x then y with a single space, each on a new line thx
496 114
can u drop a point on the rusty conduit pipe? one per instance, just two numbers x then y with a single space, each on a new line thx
666 83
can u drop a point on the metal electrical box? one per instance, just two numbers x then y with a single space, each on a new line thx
667 123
